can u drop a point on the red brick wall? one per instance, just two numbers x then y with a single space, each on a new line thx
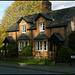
37 31
69 28
13 34
58 30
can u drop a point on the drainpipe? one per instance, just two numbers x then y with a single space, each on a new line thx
32 38
16 42
16 36
65 34
5 48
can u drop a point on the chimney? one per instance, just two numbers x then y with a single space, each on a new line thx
46 6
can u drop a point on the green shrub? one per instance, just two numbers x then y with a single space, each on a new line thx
12 49
2 48
27 50
64 54
72 41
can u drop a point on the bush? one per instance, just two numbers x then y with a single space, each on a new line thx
27 50
64 54
12 49
72 41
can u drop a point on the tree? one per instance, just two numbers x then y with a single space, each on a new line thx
12 49
20 9
17 10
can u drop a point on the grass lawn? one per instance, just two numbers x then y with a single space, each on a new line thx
27 61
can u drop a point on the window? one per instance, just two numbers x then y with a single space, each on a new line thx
41 27
21 46
23 29
42 46
45 45
39 45
72 25
26 43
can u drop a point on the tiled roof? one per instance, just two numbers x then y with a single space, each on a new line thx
15 27
32 26
24 37
61 17
41 36
28 19
9 39
48 17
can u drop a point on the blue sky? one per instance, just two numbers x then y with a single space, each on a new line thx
3 6
55 5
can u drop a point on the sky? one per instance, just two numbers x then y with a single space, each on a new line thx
55 5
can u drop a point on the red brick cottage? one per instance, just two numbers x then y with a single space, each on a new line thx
45 31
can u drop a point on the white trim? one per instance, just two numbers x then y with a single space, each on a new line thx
20 45
72 25
42 30
41 24
27 43
23 24
38 42
23 32
39 46
23 28
46 45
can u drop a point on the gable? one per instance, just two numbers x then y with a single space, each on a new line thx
44 16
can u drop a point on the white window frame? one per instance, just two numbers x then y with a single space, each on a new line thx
41 25
23 28
40 47
21 45
72 25
44 45
27 43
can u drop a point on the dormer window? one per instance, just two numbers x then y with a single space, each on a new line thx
41 24
72 25
23 29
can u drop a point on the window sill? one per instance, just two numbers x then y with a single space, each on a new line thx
38 51
42 31
23 32
45 50
20 50
72 30
51 52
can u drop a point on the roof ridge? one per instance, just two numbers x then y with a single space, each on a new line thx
61 9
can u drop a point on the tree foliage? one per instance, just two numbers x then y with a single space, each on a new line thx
20 9
17 10
12 49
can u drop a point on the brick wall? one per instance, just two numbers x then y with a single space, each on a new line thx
58 30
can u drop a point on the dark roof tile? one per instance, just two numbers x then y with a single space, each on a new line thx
61 17
24 37
48 17
58 35
13 28
9 39
41 36
32 26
